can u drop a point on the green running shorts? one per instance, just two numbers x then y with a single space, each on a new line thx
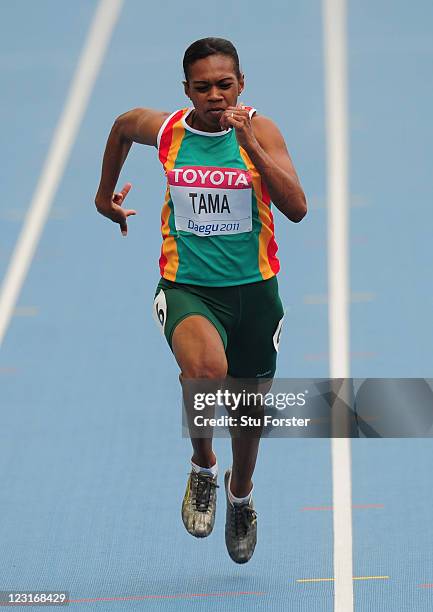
248 318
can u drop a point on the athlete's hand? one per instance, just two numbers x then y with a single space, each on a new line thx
115 212
238 117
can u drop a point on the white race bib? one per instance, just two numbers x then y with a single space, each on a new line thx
211 201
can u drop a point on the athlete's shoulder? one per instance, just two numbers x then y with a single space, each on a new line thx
266 130
170 121
141 124
258 121
261 122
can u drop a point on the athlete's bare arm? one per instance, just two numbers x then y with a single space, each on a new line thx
265 145
280 177
138 125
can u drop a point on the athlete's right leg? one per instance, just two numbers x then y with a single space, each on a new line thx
200 353
197 337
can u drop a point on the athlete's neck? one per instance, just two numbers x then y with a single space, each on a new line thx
193 120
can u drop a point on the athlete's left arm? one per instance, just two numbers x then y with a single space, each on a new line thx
273 162
265 146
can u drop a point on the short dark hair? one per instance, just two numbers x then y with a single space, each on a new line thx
210 46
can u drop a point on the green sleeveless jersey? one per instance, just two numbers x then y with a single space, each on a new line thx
216 221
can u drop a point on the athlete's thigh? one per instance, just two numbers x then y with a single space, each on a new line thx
193 332
252 349
199 349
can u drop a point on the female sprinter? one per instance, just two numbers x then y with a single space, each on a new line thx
217 300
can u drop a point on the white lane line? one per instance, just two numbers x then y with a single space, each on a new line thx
87 70
335 54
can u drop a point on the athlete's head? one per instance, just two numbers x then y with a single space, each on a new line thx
213 78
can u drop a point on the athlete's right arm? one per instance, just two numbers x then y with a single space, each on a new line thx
138 125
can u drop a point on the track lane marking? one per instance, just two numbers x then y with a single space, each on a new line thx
81 87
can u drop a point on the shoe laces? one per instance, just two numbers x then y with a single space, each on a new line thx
202 485
243 517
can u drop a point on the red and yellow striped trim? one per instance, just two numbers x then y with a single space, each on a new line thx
267 260
170 143
167 136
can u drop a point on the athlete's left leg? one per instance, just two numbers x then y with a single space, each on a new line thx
251 355
246 440
241 517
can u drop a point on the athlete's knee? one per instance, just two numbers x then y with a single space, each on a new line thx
205 368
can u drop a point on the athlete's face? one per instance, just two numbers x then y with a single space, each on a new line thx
212 86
